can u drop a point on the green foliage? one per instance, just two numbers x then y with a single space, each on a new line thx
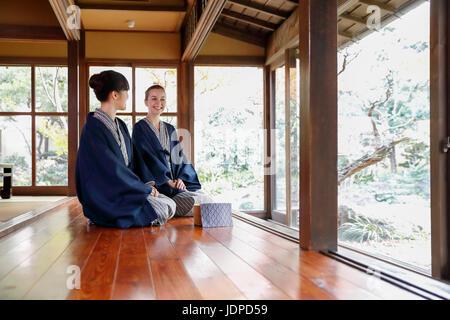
21 170
361 228
343 161
238 178
416 154
51 129
247 206
51 89
15 89
389 197
52 169
415 181
364 178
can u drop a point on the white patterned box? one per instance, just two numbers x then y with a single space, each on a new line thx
216 215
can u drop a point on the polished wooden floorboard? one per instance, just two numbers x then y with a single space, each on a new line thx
176 261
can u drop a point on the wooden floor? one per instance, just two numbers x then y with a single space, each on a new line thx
176 261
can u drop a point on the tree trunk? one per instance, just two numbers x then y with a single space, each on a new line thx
39 145
46 145
393 159
367 160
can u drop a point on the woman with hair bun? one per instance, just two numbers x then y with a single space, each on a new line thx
110 193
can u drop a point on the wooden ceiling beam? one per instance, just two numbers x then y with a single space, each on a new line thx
204 26
189 7
253 21
131 7
261 8
345 5
386 7
345 34
357 20
60 8
286 36
31 33
239 35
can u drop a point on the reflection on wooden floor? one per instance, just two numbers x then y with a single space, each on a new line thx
177 261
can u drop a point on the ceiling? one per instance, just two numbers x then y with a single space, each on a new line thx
252 21
37 13
94 19
352 16
154 15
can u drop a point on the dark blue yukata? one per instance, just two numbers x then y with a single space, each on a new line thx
111 194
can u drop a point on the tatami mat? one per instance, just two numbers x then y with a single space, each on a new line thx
17 205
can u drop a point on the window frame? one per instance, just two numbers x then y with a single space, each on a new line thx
224 61
287 61
133 64
35 189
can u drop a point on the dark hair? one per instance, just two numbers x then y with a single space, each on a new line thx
155 86
105 82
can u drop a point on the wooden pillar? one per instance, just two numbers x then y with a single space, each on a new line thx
72 79
440 124
186 106
83 83
318 124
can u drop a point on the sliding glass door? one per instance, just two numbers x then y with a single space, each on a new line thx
384 142
285 191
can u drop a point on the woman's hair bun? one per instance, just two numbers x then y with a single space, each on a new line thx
95 82
106 81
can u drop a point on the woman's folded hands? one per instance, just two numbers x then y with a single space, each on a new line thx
154 192
177 184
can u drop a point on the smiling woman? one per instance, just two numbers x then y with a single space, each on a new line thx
166 77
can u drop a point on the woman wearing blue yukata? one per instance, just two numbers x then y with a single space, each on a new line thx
111 194
162 157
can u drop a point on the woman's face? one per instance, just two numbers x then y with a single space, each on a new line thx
120 99
156 101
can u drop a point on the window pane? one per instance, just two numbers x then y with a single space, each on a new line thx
128 122
384 142
15 89
51 151
126 71
167 78
47 80
229 136
15 147
171 120
295 142
139 118
280 141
